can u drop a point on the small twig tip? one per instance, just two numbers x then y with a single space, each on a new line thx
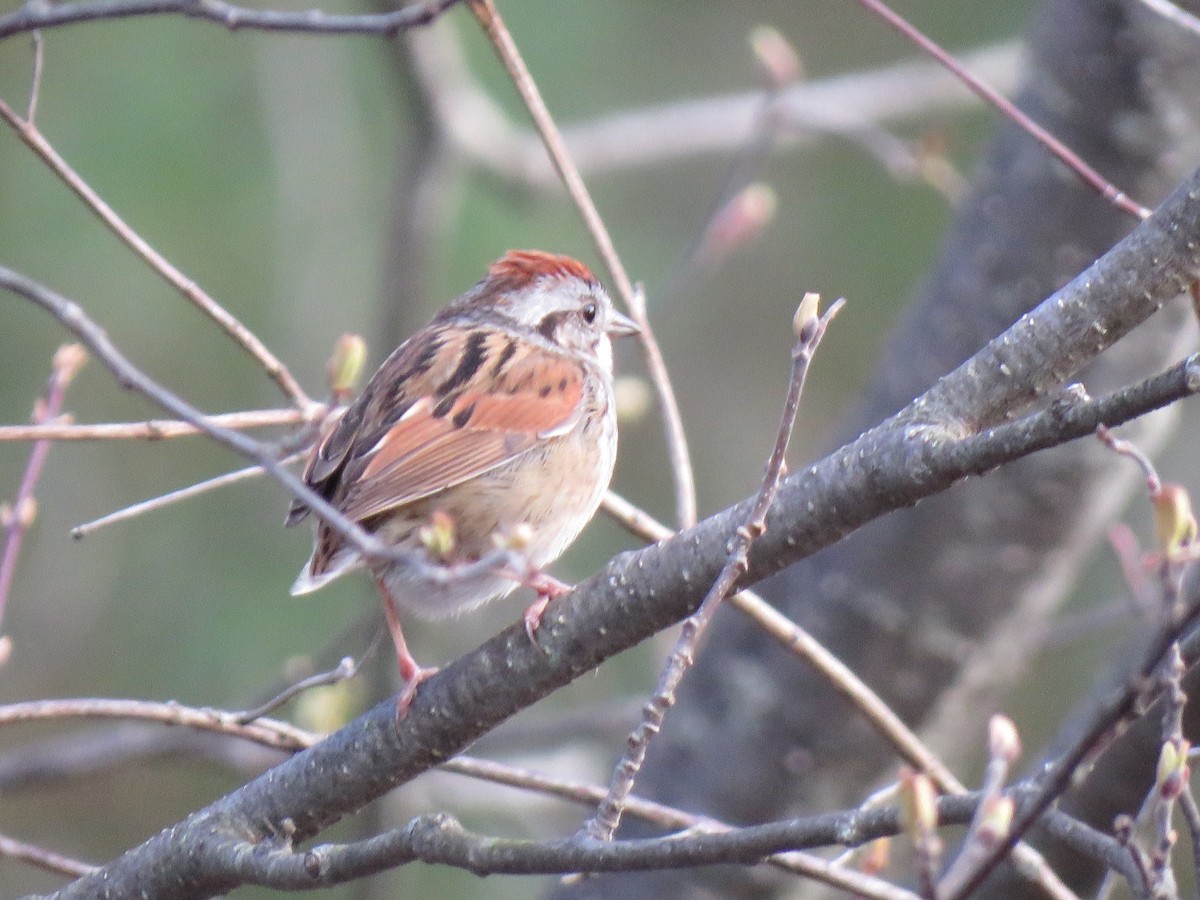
777 57
806 316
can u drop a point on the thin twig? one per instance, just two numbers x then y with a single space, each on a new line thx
1132 451
50 15
67 362
22 851
1173 773
268 732
164 500
1191 817
72 316
810 328
154 429
345 669
681 465
990 95
228 323
1057 776
994 812
799 641
35 83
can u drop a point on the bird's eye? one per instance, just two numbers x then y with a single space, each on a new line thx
589 312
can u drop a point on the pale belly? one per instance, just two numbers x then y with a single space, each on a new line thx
554 491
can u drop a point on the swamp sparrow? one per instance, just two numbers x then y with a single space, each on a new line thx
494 423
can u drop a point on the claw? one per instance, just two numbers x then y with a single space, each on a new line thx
533 617
404 699
548 588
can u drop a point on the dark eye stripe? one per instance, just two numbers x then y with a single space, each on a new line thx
474 356
549 325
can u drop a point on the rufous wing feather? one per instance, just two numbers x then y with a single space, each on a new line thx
389 393
438 443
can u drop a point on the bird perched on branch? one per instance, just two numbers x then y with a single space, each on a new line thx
493 426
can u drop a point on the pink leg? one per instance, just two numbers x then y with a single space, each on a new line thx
548 588
411 673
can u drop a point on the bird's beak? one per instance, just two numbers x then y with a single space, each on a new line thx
621 325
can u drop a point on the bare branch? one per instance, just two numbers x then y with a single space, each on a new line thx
32 16
67 361
134 510
810 328
268 732
665 817
843 105
155 429
1056 778
225 320
11 848
441 839
345 669
990 95
35 83
72 317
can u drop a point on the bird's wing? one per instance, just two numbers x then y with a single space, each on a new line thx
467 402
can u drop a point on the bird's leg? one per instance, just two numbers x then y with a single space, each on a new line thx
548 588
411 672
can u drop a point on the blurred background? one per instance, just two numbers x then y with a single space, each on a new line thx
277 171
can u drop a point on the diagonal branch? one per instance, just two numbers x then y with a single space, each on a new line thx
810 329
988 94
225 320
73 318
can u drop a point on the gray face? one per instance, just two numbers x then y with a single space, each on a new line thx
573 314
